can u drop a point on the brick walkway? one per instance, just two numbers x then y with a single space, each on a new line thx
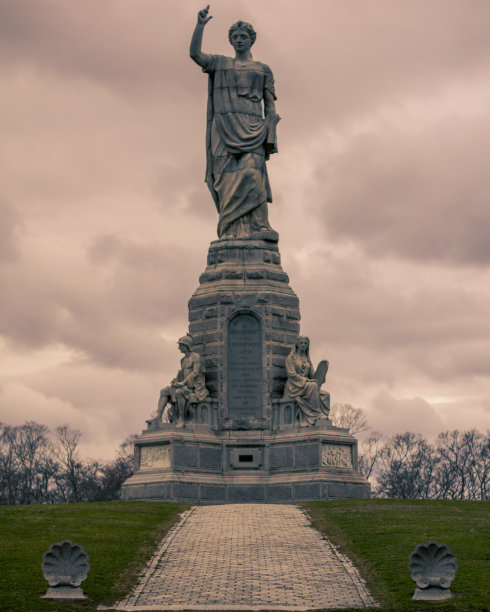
247 557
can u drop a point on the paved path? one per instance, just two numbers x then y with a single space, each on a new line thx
247 557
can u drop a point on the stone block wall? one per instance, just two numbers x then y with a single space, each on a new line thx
244 277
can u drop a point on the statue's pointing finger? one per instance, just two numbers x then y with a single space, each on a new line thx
202 16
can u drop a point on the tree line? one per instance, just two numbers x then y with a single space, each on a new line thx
455 465
41 466
38 466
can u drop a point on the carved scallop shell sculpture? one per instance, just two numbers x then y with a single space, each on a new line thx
65 564
432 565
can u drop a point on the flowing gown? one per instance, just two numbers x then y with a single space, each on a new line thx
302 387
238 141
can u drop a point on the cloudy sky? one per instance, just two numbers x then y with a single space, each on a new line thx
381 199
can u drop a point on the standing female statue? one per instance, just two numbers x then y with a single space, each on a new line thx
238 137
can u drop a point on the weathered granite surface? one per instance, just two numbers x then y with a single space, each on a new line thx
65 566
432 567
303 385
209 467
245 442
254 438
186 390
241 132
244 318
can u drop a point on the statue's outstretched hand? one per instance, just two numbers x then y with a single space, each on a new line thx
202 16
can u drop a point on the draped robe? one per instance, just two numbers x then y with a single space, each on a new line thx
303 388
238 142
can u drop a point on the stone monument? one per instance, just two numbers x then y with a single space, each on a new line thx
246 417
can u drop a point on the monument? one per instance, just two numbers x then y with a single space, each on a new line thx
245 419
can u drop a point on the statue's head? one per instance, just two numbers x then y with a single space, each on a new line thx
302 342
186 341
245 27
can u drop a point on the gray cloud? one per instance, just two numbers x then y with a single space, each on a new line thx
398 325
107 42
10 223
110 313
416 190
380 197
392 415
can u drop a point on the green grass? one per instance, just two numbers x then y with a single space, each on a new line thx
119 537
379 535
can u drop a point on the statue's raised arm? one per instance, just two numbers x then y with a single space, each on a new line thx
196 42
240 134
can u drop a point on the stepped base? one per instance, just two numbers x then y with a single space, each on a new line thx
203 467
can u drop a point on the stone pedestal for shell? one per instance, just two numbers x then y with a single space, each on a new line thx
432 567
65 566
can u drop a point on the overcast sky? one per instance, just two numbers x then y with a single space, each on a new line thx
381 199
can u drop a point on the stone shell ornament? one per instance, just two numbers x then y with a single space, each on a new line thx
65 564
432 565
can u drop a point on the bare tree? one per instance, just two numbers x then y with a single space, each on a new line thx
9 465
29 443
48 473
480 464
463 471
33 469
27 468
117 471
406 467
369 453
67 453
348 417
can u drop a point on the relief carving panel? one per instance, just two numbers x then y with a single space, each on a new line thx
336 455
154 457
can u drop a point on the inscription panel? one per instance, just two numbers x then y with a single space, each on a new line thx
154 457
336 455
244 367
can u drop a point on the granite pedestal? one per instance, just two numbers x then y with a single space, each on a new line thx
244 443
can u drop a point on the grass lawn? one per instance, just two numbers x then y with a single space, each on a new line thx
119 537
379 535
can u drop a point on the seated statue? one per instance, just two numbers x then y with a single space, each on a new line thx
188 387
303 383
